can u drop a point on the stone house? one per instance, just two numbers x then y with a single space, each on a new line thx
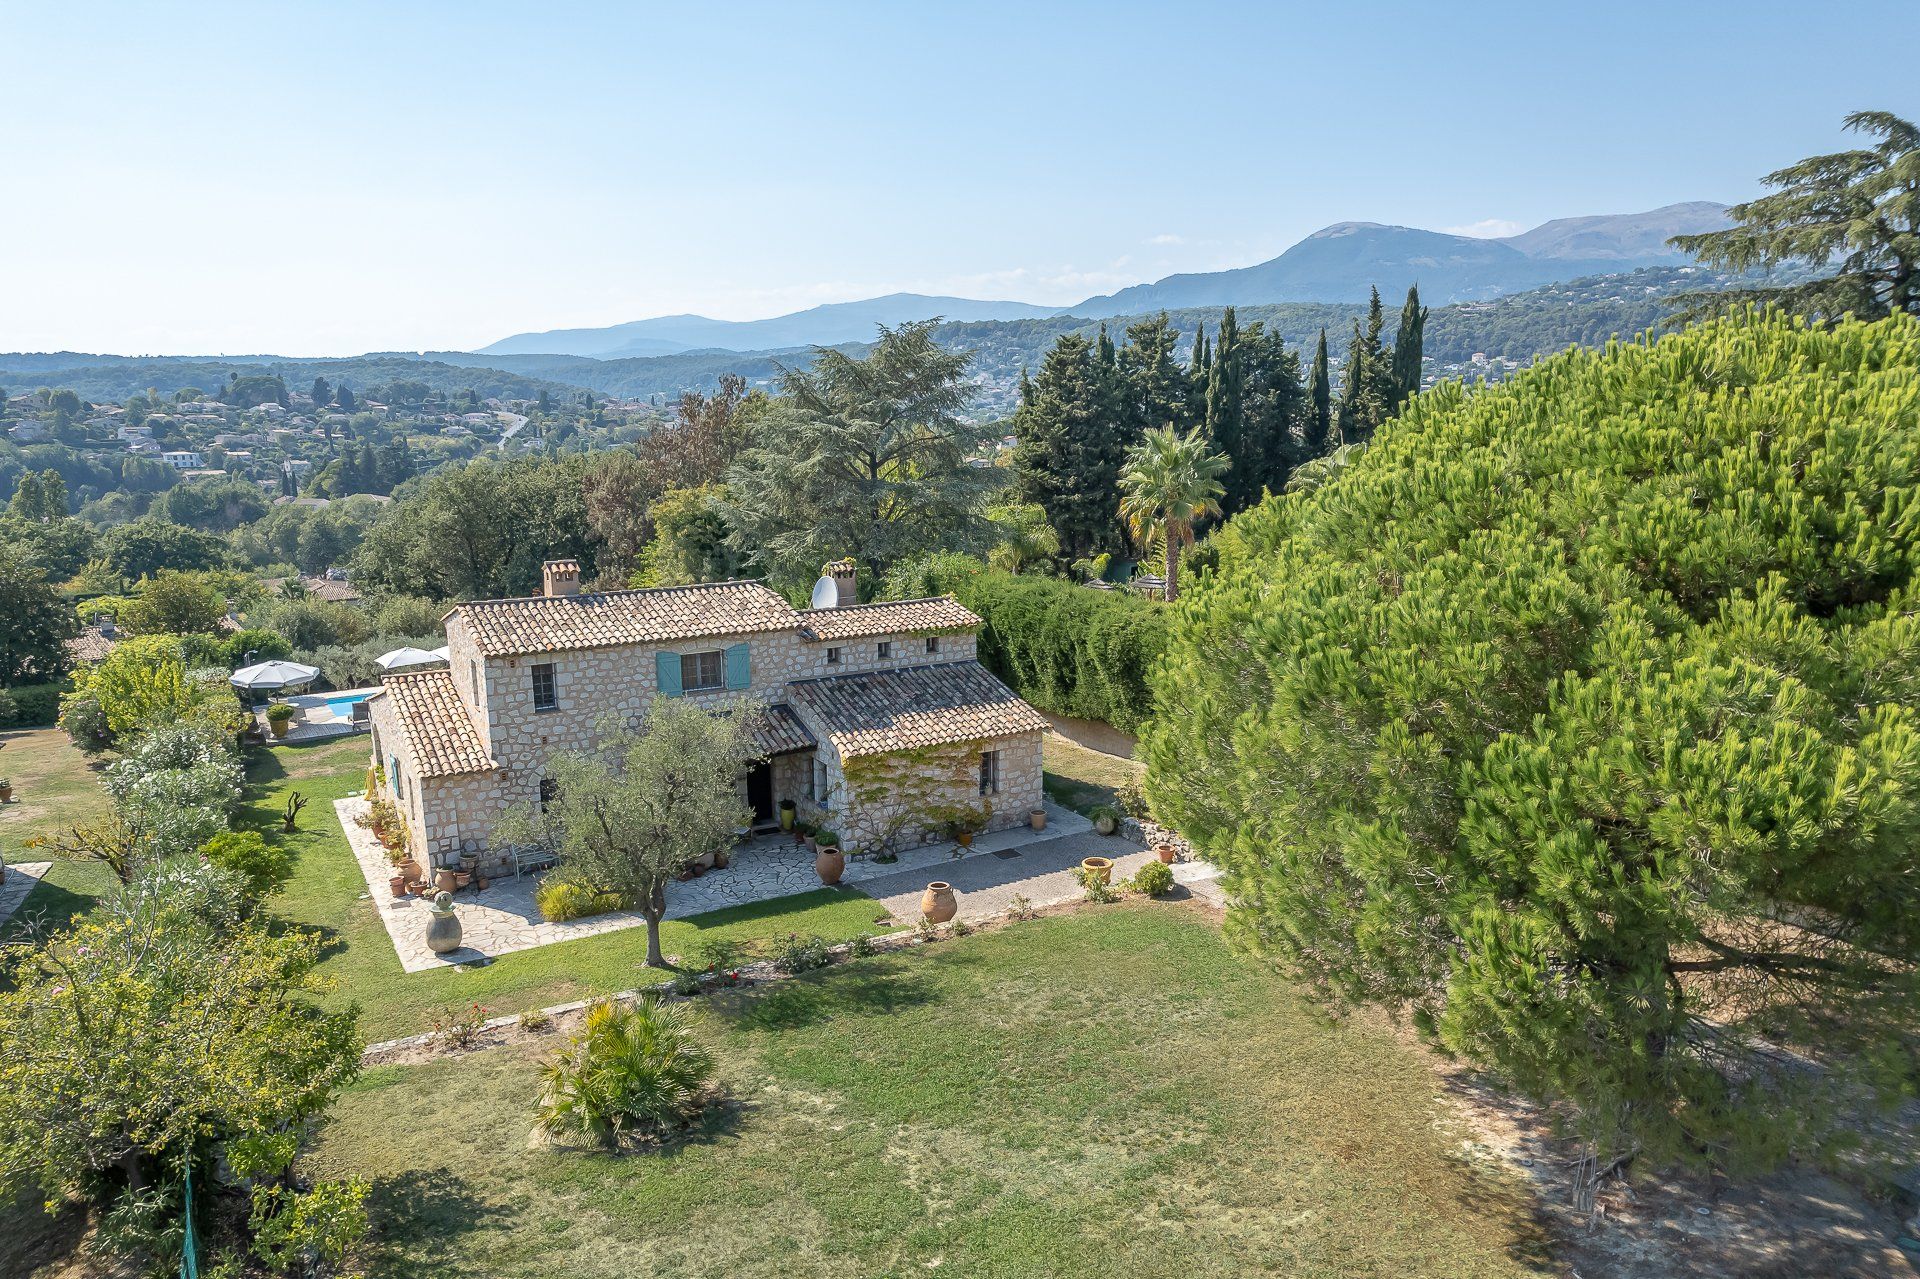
877 720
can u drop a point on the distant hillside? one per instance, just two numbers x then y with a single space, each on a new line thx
109 377
817 326
1341 262
1638 238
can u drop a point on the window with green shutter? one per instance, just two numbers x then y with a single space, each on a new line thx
666 667
739 666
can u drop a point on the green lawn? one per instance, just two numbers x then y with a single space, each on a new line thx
1083 779
1099 1094
55 786
328 894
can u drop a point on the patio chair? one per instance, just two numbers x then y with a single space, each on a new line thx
362 717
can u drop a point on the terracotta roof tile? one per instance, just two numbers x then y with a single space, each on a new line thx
879 711
939 613
777 731
551 624
437 726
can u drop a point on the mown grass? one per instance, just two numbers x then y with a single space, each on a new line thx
328 895
55 787
1109 1093
1082 778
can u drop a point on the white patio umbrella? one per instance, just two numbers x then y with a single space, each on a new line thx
268 676
407 657
443 654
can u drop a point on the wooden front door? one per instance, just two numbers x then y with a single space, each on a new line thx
760 791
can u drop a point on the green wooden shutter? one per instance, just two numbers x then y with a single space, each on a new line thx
739 666
667 668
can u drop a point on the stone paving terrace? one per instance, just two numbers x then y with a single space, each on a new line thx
503 918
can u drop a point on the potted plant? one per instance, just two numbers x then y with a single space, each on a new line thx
6 790
1165 852
1106 819
280 718
722 857
1037 818
789 813
828 861
1100 866
398 883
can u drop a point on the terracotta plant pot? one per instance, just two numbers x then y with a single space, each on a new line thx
443 930
722 859
399 885
1166 853
1101 866
938 903
6 794
964 839
461 878
1037 819
704 863
829 863
279 727
446 880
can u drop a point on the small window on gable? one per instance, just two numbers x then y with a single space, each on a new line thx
701 670
546 695
933 643
886 649
833 657
473 675
989 772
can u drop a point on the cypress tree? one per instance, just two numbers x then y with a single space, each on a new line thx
1364 385
1407 346
1071 439
1316 435
1152 382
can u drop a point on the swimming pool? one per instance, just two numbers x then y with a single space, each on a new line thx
342 707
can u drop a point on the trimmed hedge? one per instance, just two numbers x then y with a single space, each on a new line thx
1067 648
34 705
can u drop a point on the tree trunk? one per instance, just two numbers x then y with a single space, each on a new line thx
654 911
1173 566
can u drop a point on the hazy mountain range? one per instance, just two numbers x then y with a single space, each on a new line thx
1337 264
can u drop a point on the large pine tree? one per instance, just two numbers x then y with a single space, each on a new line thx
1072 437
1155 386
1272 411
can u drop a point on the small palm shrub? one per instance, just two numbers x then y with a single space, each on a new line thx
1153 878
632 1071
562 899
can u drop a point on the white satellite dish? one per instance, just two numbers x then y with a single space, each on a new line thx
826 593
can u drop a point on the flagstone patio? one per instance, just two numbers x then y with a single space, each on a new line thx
22 878
502 918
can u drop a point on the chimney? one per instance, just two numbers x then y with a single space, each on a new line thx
842 572
560 577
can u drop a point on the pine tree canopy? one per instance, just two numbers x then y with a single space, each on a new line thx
1857 210
1579 718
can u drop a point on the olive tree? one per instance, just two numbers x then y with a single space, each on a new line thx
642 806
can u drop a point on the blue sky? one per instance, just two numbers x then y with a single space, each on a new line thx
330 179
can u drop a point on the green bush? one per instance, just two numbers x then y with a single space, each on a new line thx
1579 718
265 867
1153 878
637 1070
561 899
798 954
265 645
1067 648
31 705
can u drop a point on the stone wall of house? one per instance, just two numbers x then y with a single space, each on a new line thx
908 649
444 815
923 782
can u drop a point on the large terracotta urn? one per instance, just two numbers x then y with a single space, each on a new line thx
443 929
829 863
1101 866
939 903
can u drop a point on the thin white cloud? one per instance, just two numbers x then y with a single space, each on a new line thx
1487 229
1166 237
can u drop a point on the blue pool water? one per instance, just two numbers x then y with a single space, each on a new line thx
343 706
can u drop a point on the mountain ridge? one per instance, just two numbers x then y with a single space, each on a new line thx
1336 264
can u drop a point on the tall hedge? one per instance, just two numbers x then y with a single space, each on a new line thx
1580 719
1069 649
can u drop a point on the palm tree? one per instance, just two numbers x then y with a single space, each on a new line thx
1170 481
